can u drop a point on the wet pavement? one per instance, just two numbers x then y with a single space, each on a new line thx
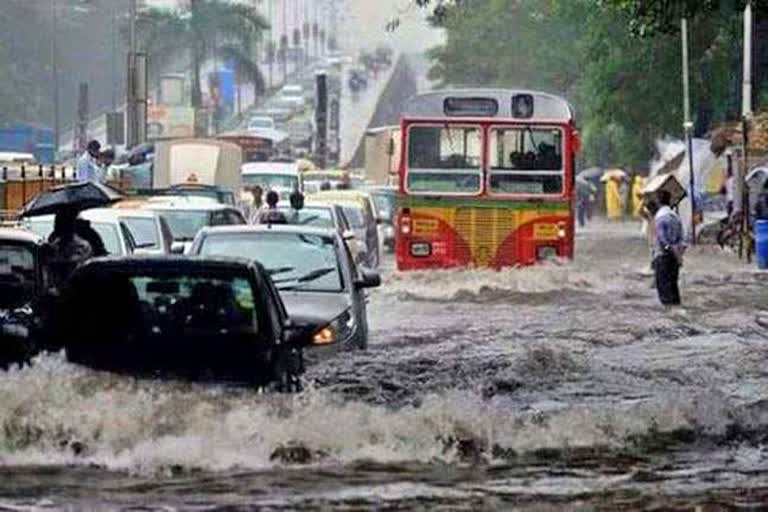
559 387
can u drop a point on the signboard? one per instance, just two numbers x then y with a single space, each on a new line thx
165 122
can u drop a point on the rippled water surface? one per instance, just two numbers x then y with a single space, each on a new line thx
561 387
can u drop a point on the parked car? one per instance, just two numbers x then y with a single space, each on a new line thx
314 271
202 319
114 233
358 209
188 215
22 283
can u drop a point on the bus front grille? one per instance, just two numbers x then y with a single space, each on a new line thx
483 230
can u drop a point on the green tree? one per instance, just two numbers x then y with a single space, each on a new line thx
206 28
626 88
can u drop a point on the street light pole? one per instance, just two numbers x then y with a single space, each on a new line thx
131 114
746 117
688 125
55 77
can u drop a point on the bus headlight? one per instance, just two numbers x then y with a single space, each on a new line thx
337 330
421 249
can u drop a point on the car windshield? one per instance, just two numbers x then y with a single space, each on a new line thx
296 261
270 180
144 231
185 224
355 216
18 275
309 216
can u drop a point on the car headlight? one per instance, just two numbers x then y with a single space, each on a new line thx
337 330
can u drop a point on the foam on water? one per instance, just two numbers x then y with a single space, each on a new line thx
56 413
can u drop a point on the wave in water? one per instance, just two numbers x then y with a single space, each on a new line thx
57 413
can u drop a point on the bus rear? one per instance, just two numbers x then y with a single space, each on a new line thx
486 180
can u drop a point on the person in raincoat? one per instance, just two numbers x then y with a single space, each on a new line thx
613 198
638 182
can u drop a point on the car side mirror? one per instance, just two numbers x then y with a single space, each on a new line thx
368 279
177 248
294 334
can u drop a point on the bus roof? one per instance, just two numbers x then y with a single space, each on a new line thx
517 104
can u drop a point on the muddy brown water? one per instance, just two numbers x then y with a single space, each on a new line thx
561 387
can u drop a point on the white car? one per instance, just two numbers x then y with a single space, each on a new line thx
293 95
117 238
260 124
149 229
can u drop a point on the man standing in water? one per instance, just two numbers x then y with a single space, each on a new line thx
668 252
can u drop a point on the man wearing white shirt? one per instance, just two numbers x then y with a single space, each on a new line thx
88 166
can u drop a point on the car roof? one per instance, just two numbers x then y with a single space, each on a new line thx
114 214
342 197
270 228
169 203
19 235
164 263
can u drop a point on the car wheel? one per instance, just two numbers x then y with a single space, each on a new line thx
288 367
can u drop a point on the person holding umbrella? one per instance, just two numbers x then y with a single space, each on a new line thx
68 245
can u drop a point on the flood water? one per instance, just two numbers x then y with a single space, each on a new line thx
560 387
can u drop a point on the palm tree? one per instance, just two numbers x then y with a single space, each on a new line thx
205 28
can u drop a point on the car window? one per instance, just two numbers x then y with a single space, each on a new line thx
296 261
177 305
144 232
18 275
355 216
109 235
185 224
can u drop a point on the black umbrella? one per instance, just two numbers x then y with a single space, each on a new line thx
73 197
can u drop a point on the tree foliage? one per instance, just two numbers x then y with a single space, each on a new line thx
205 29
626 86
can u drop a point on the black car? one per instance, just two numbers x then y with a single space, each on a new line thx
202 319
314 271
22 284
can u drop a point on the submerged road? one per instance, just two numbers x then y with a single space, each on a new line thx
545 388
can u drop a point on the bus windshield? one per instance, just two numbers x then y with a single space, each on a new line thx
526 160
444 159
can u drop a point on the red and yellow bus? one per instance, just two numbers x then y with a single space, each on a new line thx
486 179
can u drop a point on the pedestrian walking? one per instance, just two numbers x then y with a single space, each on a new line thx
668 251
89 163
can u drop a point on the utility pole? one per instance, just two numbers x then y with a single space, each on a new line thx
55 77
132 138
746 117
688 125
